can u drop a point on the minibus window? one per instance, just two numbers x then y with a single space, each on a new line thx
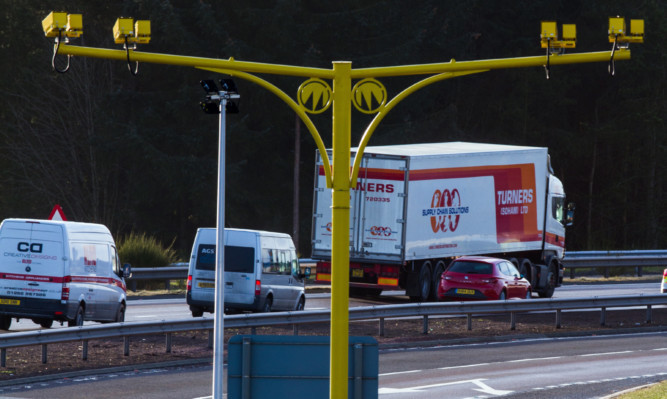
239 259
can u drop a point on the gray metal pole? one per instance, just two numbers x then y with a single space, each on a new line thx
218 325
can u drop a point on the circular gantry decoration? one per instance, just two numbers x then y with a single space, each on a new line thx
368 96
315 96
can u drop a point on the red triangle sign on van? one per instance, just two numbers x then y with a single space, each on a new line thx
57 213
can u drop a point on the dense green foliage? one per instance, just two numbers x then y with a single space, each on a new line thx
137 153
140 250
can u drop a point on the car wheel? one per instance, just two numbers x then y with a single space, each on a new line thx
5 322
120 314
301 305
78 319
502 296
267 304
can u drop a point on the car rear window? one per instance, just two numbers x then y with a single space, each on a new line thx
237 259
471 267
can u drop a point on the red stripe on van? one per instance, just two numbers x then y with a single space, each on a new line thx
31 277
66 279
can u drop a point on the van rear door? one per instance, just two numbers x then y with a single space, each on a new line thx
241 267
32 262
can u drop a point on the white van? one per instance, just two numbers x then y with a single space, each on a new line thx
261 272
65 271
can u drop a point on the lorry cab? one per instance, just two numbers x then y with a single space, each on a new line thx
261 272
58 270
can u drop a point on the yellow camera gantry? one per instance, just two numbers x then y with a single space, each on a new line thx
315 95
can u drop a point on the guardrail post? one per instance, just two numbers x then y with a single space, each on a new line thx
44 353
126 342
603 319
572 272
168 342
84 350
513 321
3 357
557 318
649 314
469 317
358 371
295 329
425 329
210 339
639 271
381 328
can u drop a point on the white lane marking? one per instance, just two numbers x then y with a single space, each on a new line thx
482 387
605 353
401 372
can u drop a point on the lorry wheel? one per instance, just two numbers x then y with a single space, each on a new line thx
424 283
5 322
437 274
552 278
548 291
525 269
78 319
120 314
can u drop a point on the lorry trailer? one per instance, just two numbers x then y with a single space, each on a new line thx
416 207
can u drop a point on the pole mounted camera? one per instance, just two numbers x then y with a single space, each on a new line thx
215 97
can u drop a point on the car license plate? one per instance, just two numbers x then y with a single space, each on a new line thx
357 272
205 285
10 302
465 291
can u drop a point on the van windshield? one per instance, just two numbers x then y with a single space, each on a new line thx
237 259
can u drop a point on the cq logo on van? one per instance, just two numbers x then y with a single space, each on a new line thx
381 231
28 247
445 211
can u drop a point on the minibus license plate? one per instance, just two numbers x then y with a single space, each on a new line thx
357 272
10 302
205 285
465 291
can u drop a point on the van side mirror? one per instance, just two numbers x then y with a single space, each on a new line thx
127 270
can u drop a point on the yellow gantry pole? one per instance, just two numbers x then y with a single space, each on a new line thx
340 239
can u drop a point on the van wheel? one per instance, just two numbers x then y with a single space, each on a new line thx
5 322
78 319
301 305
267 304
120 315
46 323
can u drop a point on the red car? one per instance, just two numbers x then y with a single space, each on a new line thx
480 278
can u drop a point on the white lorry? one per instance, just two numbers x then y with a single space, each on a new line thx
64 271
417 207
